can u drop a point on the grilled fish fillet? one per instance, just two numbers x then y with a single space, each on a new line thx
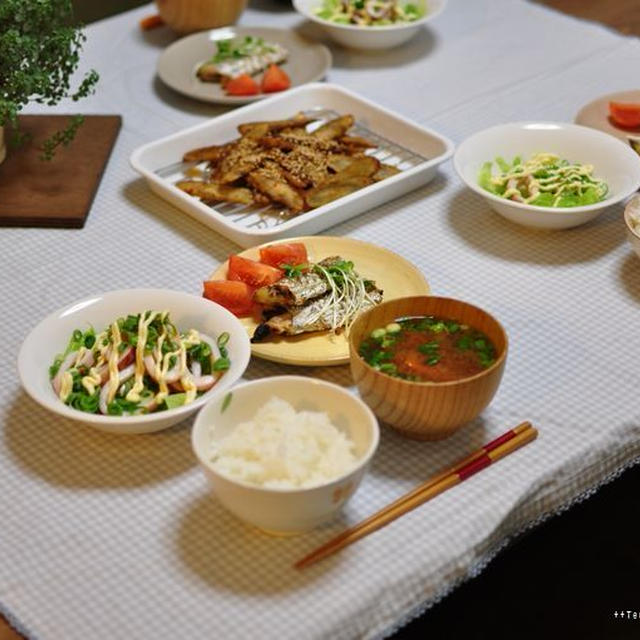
306 319
302 304
216 71
292 292
298 291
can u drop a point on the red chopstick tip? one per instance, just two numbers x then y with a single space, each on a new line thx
473 467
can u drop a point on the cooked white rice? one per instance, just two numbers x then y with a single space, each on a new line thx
284 448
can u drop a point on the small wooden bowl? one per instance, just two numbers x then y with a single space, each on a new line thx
187 16
426 410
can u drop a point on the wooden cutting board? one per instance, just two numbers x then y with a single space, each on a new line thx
59 192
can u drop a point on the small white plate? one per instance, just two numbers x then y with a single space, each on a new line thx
596 115
416 150
177 66
52 334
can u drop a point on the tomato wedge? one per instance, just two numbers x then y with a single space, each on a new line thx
253 273
287 253
275 79
233 295
243 85
625 114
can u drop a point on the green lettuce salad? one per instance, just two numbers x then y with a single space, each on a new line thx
545 180
370 13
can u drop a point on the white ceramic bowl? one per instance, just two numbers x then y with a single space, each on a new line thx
614 162
52 334
285 511
632 210
357 37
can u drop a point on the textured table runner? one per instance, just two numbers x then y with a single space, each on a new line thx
119 537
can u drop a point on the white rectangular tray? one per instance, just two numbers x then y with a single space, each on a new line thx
414 149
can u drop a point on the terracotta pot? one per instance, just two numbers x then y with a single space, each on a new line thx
187 16
3 146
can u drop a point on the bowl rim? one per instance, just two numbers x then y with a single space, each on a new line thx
364 29
499 361
555 212
635 232
120 421
362 462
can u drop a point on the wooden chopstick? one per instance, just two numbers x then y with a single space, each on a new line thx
463 469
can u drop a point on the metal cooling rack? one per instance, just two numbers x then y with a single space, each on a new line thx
269 216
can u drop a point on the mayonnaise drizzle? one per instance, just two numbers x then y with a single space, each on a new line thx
114 355
143 334
107 355
66 385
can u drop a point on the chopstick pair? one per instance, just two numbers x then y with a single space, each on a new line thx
463 469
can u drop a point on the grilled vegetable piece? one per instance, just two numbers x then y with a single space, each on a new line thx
385 171
271 126
243 157
214 153
357 143
271 181
319 196
335 128
213 191
356 166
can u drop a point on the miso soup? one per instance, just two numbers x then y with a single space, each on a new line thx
428 349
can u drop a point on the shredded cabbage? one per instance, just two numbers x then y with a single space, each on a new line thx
545 180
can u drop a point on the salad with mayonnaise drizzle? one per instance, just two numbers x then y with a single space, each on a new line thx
545 180
370 13
138 364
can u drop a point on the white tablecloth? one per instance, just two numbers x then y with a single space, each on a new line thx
119 537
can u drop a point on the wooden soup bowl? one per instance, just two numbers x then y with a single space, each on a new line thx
187 16
426 410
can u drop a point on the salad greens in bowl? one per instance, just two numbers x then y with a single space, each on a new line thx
133 361
370 13
370 24
545 180
561 175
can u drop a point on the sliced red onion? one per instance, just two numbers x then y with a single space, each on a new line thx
87 359
173 375
149 404
125 359
203 383
377 12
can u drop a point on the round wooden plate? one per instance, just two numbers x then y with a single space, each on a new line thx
596 114
394 275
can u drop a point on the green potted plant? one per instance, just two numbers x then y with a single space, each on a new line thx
39 53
